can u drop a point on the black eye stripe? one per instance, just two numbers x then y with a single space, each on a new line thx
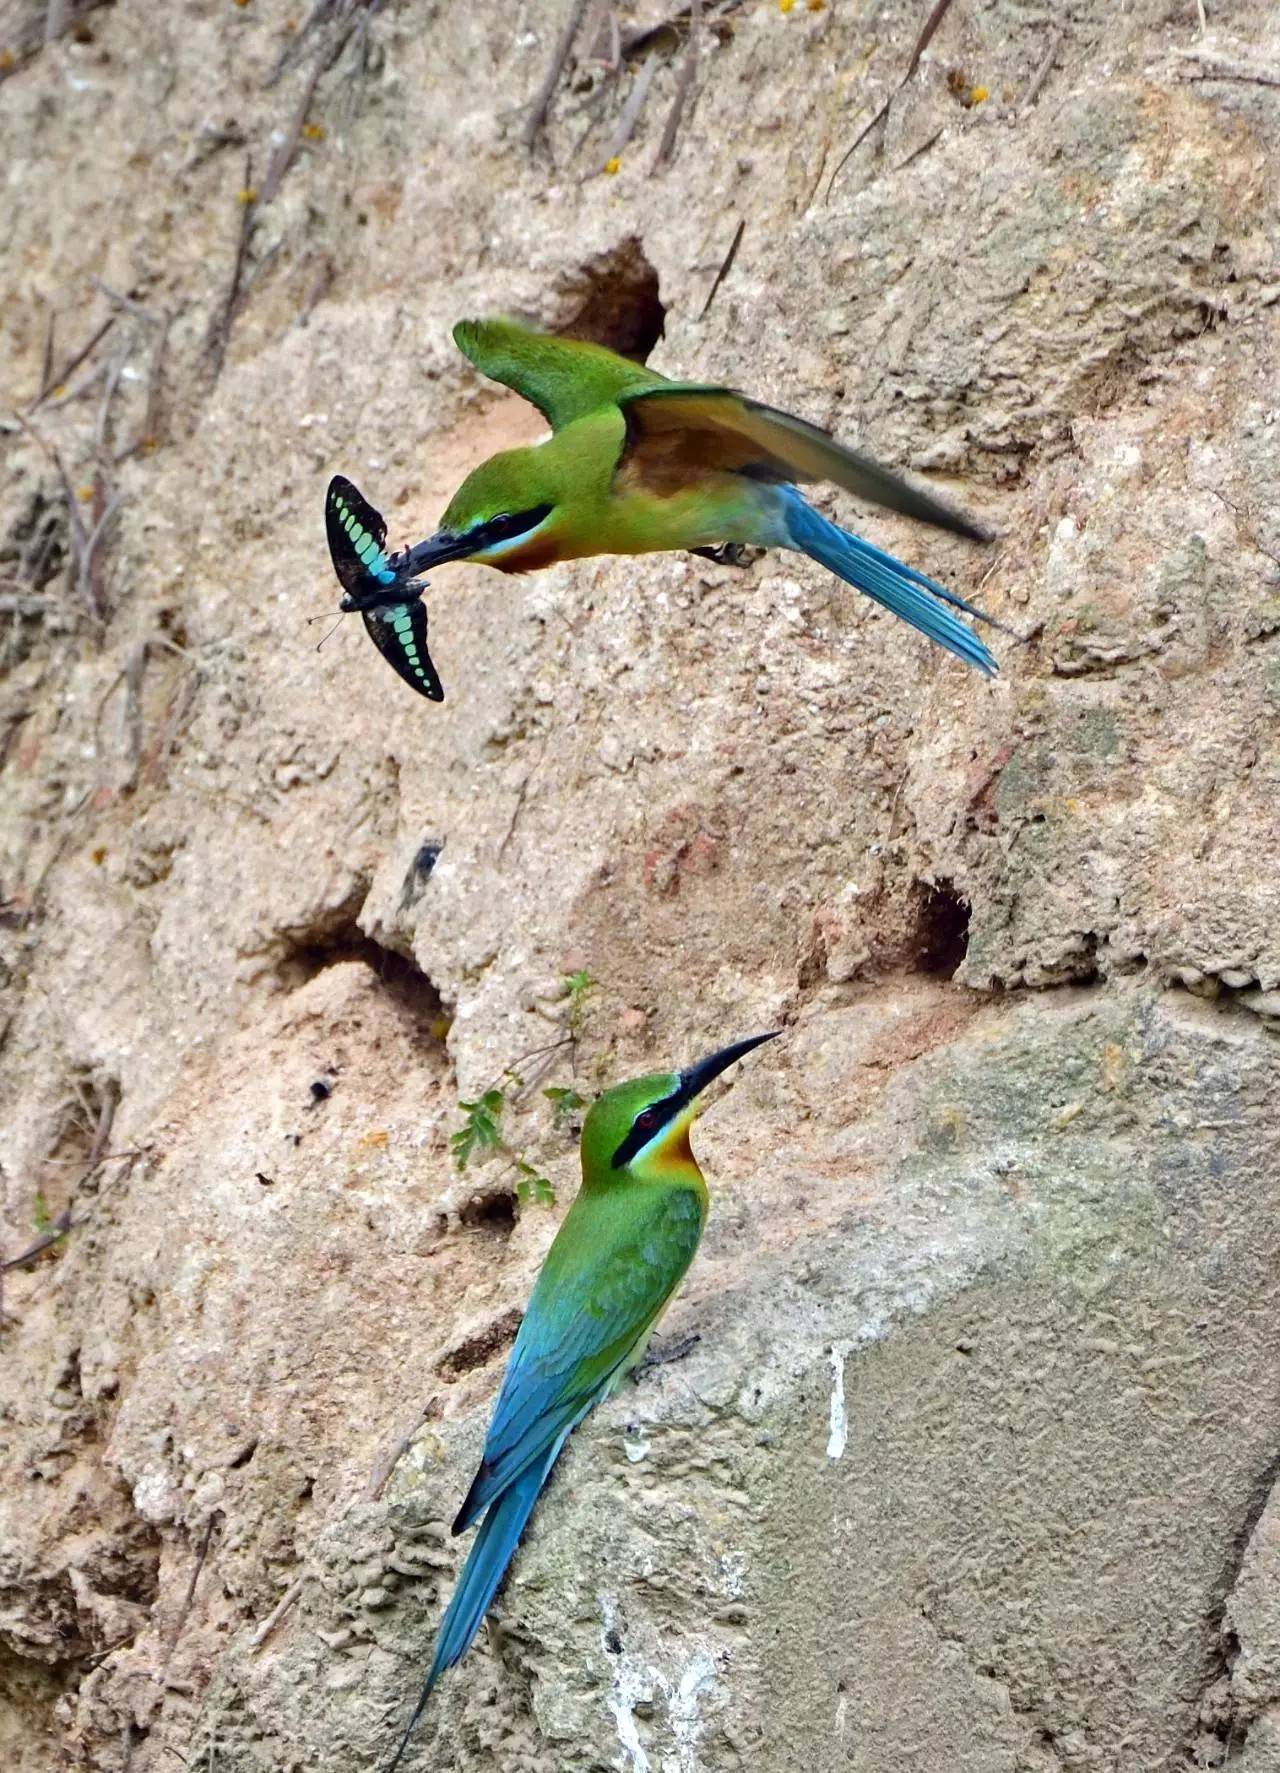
508 524
643 1127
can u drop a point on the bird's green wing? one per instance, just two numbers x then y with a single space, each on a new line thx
678 430
612 1268
563 378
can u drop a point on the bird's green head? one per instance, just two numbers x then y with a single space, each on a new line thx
643 1126
498 509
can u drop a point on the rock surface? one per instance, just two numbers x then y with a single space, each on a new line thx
972 1465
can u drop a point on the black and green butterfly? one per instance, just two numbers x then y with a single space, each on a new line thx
380 585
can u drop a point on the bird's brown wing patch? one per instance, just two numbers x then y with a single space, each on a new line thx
674 433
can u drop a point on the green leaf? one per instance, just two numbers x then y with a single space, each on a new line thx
481 1129
533 1189
565 1103
579 987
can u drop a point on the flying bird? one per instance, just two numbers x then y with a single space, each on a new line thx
618 1257
637 464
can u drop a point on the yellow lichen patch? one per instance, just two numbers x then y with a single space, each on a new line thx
314 132
439 1029
978 95
84 494
377 1140
247 194
613 166
785 6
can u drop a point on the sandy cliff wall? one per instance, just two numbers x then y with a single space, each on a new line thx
972 1465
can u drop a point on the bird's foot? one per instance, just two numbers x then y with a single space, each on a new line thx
675 1348
725 554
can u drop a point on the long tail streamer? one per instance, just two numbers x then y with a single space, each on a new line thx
484 1569
894 585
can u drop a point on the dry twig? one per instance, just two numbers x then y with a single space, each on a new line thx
1042 73
154 767
46 360
118 299
726 265
189 1598
631 110
219 335
115 369
935 18
282 159
50 382
84 543
134 671
155 384
684 81
263 1632
541 104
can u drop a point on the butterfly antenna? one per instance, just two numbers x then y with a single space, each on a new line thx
331 632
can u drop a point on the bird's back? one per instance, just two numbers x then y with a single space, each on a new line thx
563 378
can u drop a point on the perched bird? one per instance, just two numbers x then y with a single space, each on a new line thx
637 463
618 1257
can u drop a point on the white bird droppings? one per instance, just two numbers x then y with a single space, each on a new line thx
838 1438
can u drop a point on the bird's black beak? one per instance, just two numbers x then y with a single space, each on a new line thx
444 545
695 1078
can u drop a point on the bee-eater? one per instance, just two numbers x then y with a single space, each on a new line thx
615 1262
637 463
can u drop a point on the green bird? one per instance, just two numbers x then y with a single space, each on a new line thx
609 1275
637 464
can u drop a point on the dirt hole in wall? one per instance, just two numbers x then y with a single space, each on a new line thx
310 952
941 936
613 300
494 1213
480 1349
29 1690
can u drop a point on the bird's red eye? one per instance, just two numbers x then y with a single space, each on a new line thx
647 1119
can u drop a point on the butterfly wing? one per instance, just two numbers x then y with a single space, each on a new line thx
357 534
399 631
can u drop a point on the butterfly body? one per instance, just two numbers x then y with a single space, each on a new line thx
381 586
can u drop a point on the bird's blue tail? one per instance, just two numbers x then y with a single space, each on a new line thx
484 1569
900 588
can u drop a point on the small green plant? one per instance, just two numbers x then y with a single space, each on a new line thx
482 1128
41 1217
578 988
533 1189
482 1122
565 1103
